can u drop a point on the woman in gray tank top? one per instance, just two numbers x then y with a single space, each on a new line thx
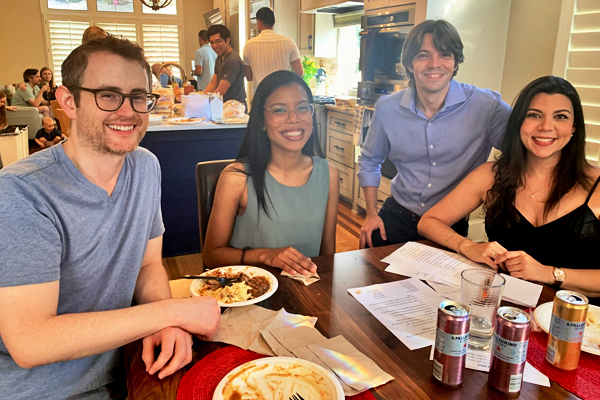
277 204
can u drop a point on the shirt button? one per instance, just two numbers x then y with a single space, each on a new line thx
431 146
429 185
433 163
429 123
422 204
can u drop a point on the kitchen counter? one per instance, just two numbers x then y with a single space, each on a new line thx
166 126
178 149
344 110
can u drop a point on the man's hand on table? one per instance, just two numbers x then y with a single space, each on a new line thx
372 223
199 316
175 348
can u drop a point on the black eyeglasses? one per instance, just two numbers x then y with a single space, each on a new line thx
109 100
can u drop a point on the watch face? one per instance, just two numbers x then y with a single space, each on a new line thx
559 274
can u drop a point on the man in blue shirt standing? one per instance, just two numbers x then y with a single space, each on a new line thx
204 60
435 132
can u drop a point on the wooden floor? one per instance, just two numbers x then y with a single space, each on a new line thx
347 235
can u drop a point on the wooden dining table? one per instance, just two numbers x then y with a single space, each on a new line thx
339 313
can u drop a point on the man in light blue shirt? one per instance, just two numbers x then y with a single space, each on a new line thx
435 132
205 61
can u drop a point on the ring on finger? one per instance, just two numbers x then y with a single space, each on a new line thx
493 255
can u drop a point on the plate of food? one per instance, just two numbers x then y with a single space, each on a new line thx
279 378
186 121
591 334
257 284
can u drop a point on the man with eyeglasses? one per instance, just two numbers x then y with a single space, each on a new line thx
228 79
81 237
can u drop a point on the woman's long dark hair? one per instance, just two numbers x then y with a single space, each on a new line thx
255 152
510 168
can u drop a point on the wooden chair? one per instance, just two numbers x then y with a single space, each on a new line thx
207 176
61 116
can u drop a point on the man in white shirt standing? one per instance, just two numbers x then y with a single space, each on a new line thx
269 52
205 61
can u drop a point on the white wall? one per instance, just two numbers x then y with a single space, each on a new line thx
483 28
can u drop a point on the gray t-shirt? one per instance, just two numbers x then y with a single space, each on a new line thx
231 68
57 225
21 98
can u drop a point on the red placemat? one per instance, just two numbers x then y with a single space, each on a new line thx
200 382
584 381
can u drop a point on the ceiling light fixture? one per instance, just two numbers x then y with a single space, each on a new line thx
156 4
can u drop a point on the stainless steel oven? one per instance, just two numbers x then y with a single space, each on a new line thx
381 40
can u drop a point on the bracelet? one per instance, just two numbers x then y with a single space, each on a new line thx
458 245
448 237
244 254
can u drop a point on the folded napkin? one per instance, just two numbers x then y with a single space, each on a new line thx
355 371
312 277
241 326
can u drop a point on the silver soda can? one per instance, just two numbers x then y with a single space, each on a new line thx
451 342
509 349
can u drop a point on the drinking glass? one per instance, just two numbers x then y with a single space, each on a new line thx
481 291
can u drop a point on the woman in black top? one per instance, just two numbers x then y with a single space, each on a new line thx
540 196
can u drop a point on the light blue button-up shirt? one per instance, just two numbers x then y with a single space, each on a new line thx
431 155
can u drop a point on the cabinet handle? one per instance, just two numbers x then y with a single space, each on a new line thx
340 124
338 148
341 179
379 201
310 42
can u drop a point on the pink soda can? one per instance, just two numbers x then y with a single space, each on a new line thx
509 349
451 342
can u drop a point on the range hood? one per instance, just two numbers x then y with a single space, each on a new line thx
331 6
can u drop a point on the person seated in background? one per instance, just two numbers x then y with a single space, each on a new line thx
540 196
167 78
277 204
48 135
32 96
156 75
3 108
93 32
48 79
228 79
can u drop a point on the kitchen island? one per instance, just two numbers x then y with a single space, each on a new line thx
178 149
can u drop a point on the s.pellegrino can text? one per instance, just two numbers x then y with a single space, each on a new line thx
566 329
509 349
451 342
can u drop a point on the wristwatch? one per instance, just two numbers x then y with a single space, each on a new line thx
559 276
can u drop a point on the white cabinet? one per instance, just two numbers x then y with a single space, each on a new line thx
306 34
340 149
373 4
15 147
317 36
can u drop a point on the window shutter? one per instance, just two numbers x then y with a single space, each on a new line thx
123 31
583 69
64 37
161 44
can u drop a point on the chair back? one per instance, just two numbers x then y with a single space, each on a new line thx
207 176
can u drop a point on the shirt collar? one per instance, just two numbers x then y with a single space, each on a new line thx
455 95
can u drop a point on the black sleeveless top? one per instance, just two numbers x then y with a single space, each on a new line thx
571 241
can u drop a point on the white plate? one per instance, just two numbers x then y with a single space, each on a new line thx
252 271
316 380
155 120
543 315
184 121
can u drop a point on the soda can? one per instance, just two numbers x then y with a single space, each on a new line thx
509 349
451 342
566 329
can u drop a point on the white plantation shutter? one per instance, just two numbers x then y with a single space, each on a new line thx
123 31
583 69
64 37
161 44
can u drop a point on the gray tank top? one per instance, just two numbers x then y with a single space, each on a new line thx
296 216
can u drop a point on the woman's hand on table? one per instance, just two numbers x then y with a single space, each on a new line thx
486 253
290 260
521 265
175 351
